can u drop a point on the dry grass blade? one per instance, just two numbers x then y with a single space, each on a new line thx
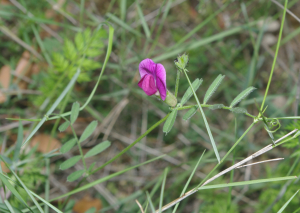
140 206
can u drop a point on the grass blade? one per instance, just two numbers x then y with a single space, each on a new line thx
213 87
9 206
287 203
123 24
142 18
19 142
150 202
189 180
241 96
243 183
204 119
162 189
91 184
13 190
26 189
58 100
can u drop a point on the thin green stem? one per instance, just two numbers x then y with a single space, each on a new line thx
276 53
47 184
204 118
79 147
177 83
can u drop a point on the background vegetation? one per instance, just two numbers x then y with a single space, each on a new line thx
43 43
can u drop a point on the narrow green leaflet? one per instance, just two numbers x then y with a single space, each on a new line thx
243 183
238 110
68 145
88 131
190 113
213 87
97 149
64 126
74 112
170 121
187 95
287 203
241 96
75 175
70 162
19 142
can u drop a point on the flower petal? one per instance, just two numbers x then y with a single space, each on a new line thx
161 83
147 66
148 85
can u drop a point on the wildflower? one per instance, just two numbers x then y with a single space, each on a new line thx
153 78
153 81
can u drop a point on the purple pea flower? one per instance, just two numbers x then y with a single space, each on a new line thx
153 78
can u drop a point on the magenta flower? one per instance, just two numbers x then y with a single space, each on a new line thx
153 78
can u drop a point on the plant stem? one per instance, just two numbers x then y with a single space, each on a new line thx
177 83
79 147
204 118
276 53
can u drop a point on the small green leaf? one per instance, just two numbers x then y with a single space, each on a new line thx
69 50
88 131
190 113
91 210
213 87
170 121
70 162
238 110
91 167
64 126
75 175
97 149
187 95
74 112
242 95
68 145
216 106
